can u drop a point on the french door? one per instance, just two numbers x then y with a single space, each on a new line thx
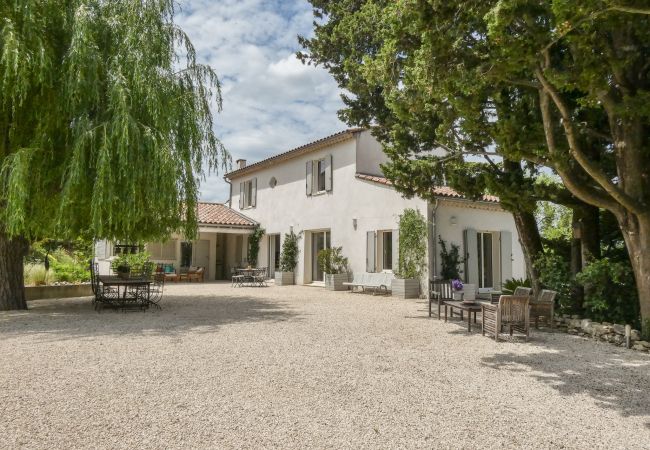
320 240
274 254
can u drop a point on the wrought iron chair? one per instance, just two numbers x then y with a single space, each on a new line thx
511 312
103 296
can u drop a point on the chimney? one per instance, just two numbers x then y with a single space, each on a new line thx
241 163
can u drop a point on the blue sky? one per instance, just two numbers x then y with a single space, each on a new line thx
271 101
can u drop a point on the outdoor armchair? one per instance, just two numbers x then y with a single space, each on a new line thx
441 291
544 307
511 313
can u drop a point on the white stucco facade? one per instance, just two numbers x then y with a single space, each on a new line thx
354 206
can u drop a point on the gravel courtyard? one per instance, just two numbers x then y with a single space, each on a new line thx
296 367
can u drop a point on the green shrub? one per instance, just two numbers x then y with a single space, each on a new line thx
611 294
289 256
510 285
555 274
135 261
332 260
450 261
254 244
412 244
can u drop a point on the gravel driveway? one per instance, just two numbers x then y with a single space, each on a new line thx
295 367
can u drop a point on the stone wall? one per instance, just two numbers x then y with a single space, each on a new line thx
607 332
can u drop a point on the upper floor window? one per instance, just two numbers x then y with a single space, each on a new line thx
248 194
318 178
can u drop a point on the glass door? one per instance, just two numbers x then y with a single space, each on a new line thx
320 240
274 254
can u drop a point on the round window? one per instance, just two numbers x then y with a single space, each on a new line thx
273 182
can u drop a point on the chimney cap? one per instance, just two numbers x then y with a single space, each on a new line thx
241 163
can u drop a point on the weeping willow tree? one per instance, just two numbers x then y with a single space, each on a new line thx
105 126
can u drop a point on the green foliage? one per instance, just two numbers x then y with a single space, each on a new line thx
332 260
289 255
554 222
450 261
105 120
36 275
611 295
134 261
412 244
554 274
254 244
510 285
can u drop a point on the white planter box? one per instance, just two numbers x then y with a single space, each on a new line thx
334 281
284 278
405 287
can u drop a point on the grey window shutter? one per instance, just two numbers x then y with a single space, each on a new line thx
395 236
506 256
242 190
471 256
309 179
254 192
371 252
328 173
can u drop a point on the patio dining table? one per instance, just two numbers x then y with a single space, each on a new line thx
248 275
123 285
470 307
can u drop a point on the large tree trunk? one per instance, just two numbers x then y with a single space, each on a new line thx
12 284
636 232
585 247
531 244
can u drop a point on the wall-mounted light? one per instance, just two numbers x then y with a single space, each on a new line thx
453 220
354 223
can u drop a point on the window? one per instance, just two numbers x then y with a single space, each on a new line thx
319 176
248 194
387 250
484 243
162 250
321 170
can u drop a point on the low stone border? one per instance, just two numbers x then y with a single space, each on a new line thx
62 291
607 332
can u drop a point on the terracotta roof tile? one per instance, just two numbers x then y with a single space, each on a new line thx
306 148
220 214
440 191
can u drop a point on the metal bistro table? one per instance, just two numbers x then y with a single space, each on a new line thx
473 307
133 298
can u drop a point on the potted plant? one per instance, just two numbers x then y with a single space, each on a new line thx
288 259
123 270
457 286
412 254
335 266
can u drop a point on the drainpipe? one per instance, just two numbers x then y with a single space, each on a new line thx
230 193
435 240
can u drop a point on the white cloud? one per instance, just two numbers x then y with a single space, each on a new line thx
271 101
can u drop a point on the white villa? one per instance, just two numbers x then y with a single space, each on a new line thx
334 192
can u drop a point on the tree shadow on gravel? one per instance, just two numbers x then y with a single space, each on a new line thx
76 318
616 381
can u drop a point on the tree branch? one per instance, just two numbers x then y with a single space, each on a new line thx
587 165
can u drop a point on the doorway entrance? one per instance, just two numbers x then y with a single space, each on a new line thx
274 254
320 240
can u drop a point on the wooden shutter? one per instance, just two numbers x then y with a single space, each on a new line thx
328 173
242 189
253 192
371 251
395 236
309 178
470 244
506 256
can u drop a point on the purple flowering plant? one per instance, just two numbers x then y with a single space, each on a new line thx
457 285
